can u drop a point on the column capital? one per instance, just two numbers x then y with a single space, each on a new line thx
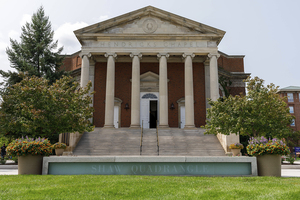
159 55
184 55
114 55
210 55
139 55
89 55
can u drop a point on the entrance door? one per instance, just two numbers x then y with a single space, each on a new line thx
116 116
153 114
182 116
149 109
144 114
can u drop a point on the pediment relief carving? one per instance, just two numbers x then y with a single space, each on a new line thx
148 21
149 25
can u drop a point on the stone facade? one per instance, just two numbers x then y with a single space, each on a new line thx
152 61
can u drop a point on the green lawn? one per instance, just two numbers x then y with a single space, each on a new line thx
147 187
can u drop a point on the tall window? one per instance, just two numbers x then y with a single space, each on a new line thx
290 97
291 109
293 123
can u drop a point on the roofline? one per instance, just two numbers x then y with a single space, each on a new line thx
202 28
288 90
231 56
73 54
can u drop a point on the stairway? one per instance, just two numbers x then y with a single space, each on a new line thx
126 141
149 147
188 142
102 142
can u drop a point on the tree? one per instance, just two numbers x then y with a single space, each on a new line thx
262 112
225 83
35 53
35 108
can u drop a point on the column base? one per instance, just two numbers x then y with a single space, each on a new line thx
135 126
190 127
108 126
163 126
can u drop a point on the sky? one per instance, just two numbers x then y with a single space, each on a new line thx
265 31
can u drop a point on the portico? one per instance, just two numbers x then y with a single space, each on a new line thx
159 43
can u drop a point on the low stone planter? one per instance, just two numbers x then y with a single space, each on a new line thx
30 164
236 152
269 165
59 152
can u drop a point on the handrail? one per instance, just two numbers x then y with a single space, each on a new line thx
157 138
141 144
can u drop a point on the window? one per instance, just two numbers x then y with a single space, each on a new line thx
293 123
291 109
290 97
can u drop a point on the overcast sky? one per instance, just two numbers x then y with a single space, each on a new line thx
265 31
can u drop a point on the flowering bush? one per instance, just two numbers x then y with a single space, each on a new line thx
236 146
29 146
59 145
261 146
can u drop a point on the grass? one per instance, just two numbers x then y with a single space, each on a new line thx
147 187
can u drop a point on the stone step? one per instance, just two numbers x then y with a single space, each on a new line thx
126 141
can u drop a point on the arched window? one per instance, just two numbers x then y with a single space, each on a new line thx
149 96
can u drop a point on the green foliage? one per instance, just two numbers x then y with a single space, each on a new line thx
37 109
15 159
262 112
290 159
225 82
3 160
293 139
4 140
35 52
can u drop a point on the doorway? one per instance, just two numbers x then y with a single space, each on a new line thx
149 107
153 114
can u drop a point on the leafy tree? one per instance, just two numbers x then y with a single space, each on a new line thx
35 53
225 83
35 108
262 112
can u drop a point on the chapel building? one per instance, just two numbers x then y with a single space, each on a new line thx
150 67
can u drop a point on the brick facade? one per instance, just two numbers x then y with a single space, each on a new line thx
123 75
295 103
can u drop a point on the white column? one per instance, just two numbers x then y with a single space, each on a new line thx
207 82
163 91
92 78
135 91
189 91
85 70
214 78
110 91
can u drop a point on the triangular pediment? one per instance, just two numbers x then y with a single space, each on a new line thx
148 21
149 77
